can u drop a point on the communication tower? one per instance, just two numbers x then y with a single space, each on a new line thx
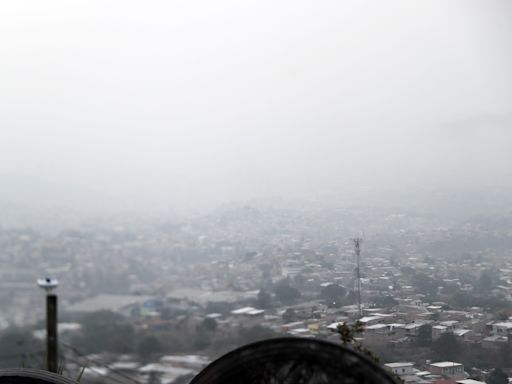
357 272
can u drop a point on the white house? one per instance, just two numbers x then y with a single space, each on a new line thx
400 368
449 369
502 329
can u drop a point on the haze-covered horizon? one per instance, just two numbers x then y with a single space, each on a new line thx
173 104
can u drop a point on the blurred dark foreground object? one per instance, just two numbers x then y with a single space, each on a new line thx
31 376
293 361
274 361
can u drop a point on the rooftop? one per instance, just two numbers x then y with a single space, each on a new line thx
399 365
506 324
106 302
445 364
243 311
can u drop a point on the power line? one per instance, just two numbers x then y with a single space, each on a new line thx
97 363
25 360
74 349
110 377
22 354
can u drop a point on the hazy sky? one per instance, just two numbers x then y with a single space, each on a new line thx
218 99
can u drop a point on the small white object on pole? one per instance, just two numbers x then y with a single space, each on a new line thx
48 284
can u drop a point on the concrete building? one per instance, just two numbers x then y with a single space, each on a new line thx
502 328
400 368
448 369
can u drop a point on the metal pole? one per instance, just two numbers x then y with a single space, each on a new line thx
51 333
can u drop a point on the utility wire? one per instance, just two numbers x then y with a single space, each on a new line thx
25 359
121 374
22 354
110 377
113 378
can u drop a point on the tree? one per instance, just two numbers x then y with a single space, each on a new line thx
202 340
155 377
348 336
407 271
289 315
333 295
20 349
497 376
256 333
221 307
209 324
173 342
486 281
106 331
165 313
285 293
504 358
425 284
447 346
264 299
384 301
424 337
463 300
148 346
450 289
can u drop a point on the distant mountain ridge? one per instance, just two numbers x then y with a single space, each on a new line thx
27 201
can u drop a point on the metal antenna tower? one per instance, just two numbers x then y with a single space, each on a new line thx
357 272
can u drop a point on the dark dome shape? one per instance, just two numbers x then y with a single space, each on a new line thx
31 376
293 361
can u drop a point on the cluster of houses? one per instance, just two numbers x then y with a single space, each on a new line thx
401 325
168 369
442 372
215 268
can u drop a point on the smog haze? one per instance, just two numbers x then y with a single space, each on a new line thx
202 103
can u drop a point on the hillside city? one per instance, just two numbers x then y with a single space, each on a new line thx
154 301
256 192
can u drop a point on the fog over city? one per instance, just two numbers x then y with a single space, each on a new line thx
197 103
183 178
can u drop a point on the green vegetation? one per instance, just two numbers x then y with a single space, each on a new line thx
447 347
106 331
383 301
285 293
149 345
19 348
497 376
424 337
333 295
264 299
348 334
255 333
